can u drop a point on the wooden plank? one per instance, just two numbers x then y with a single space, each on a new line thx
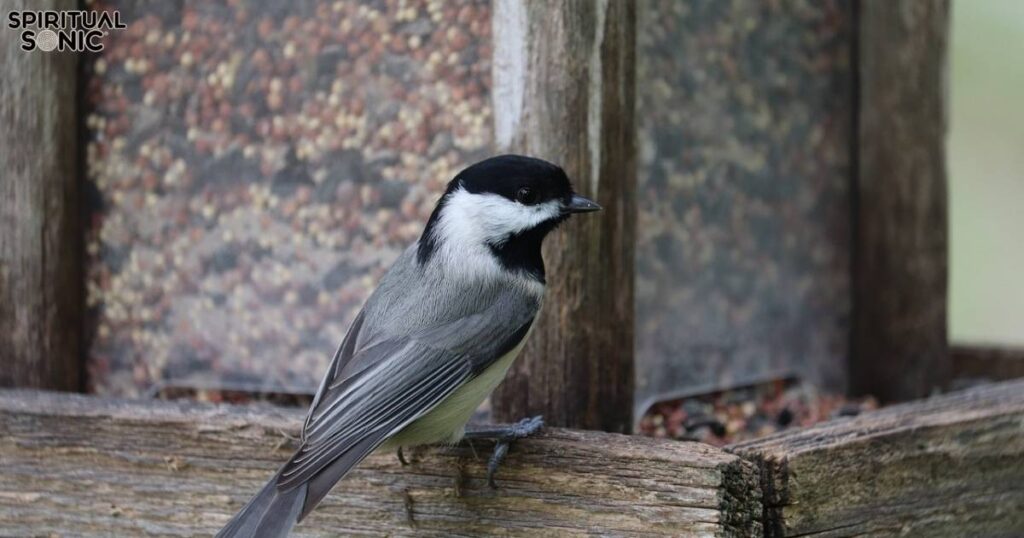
564 91
84 466
899 347
993 363
42 298
947 466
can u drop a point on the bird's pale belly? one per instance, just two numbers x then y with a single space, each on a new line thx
446 423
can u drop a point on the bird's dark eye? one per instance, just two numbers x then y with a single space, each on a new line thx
526 195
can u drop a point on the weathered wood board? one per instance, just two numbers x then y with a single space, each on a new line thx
42 287
947 466
84 466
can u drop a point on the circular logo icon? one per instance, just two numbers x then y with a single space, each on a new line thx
46 40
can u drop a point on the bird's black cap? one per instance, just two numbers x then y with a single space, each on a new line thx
505 175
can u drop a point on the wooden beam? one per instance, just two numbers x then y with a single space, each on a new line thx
564 91
42 298
83 466
993 363
946 466
899 348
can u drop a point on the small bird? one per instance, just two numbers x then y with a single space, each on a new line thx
433 340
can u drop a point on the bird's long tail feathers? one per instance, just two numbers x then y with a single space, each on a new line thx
270 514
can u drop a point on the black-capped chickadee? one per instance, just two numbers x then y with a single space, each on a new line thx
433 340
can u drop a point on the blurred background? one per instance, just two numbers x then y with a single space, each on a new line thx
254 167
986 173
257 166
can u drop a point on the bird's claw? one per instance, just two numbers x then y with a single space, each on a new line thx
526 427
401 457
500 450
504 436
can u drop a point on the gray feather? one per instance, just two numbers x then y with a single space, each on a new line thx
320 485
270 514
379 407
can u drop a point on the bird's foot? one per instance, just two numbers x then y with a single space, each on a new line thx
504 436
401 457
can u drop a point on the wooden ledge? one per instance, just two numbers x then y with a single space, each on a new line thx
951 465
946 466
88 466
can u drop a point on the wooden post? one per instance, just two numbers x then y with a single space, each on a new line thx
564 91
41 232
899 348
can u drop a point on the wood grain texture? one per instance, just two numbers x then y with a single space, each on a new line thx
947 466
899 346
83 466
564 91
41 234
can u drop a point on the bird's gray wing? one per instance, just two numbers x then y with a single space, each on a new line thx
374 392
341 358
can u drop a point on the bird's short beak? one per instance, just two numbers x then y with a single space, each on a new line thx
579 204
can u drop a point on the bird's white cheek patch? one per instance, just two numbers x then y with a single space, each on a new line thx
470 224
489 218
